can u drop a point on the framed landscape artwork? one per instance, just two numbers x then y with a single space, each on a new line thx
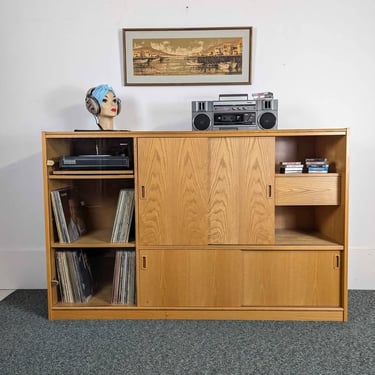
208 56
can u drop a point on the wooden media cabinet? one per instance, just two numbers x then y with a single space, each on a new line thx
218 232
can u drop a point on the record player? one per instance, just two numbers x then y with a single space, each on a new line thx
99 154
94 162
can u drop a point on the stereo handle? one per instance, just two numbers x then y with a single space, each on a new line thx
231 96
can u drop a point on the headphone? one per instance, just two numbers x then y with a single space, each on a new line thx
92 103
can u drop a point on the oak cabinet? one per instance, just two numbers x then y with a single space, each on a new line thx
218 232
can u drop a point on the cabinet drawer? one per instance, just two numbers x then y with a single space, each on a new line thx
307 190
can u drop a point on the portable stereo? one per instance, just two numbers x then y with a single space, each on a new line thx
231 112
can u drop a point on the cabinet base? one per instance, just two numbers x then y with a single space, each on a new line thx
316 314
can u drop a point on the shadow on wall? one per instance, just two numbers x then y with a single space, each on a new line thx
21 202
129 117
67 106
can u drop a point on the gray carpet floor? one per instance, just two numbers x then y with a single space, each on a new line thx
31 344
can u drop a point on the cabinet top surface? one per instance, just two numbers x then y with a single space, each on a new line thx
194 134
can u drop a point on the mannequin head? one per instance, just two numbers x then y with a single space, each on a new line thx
101 101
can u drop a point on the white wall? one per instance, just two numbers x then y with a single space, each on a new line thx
318 58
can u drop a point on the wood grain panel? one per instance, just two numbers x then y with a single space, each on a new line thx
173 196
307 190
291 278
188 278
241 208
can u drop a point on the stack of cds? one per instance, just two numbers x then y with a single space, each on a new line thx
291 167
317 165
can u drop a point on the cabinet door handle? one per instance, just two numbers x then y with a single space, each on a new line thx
336 261
144 262
269 191
143 192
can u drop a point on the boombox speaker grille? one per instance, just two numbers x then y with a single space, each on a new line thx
267 120
201 121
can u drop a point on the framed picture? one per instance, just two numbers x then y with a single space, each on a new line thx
208 56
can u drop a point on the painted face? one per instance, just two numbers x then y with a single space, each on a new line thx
108 108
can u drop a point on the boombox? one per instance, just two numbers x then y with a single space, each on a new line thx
232 113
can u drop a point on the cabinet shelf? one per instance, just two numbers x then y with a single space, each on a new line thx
312 175
101 298
285 239
303 239
94 239
91 175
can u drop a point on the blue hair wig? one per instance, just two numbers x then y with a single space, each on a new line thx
100 91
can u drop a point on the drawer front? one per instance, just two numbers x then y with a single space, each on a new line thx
307 190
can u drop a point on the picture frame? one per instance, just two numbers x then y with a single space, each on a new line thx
187 56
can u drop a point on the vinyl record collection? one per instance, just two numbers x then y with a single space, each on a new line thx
124 216
67 212
70 222
74 276
123 286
